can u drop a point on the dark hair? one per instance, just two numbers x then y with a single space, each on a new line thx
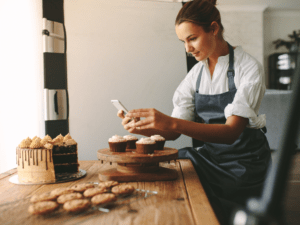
202 13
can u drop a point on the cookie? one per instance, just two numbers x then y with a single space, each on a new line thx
61 191
42 197
82 187
103 198
42 207
94 191
68 197
123 189
108 184
77 205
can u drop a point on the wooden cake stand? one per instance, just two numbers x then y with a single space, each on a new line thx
132 166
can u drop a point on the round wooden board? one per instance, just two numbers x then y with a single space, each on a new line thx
130 156
161 174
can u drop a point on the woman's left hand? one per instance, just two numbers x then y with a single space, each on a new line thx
153 119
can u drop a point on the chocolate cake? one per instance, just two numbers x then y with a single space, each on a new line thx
40 160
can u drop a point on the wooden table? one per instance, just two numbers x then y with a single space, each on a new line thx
177 202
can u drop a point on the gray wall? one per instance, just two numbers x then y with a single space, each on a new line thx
125 50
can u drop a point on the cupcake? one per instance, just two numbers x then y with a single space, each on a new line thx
117 143
130 141
160 141
145 146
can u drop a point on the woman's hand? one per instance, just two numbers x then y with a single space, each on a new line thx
128 122
153 120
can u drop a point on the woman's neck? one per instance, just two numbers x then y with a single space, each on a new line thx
221 49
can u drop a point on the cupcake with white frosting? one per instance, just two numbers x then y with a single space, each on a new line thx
145 146
160 141
117 143
130 141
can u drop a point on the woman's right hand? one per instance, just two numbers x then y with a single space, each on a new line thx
127 121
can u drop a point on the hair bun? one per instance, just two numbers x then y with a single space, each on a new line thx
214 2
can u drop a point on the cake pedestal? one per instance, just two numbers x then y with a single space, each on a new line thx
132 166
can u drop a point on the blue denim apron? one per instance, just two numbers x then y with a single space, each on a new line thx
230 174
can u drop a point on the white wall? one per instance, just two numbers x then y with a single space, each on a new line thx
121 49
21 76
280 19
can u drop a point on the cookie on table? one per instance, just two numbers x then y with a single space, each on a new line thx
68 197
42 197
108 184
77 205
103 198
42 207
61 191
94 191
123 189
82 187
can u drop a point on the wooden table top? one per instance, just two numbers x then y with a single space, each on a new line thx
177 202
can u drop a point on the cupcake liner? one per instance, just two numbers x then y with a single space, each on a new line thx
131 144
145 148
117 146
159 145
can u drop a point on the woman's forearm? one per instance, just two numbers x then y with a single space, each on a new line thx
216 133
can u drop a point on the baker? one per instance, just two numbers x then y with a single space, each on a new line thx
217 103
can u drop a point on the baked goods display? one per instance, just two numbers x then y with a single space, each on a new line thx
74 201
40 160
141 163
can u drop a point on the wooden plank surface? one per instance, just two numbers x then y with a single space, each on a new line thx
173 204
200 205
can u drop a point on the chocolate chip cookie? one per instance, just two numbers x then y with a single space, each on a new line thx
123 189
82 187
94 191
77 205
68 197
108 184
61 191
42 197
42 207
103 198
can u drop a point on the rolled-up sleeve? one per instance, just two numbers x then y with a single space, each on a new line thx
248 97
183 101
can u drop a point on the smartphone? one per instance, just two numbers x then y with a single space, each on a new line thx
119 106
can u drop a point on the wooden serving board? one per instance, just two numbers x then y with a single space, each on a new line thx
132 166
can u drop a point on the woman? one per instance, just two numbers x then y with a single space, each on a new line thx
217 103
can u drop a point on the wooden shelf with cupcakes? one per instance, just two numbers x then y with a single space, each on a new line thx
137 161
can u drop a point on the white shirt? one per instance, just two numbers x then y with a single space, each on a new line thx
249 80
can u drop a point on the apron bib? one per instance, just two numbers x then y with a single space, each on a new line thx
230 174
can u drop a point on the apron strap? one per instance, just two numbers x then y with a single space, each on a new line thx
199 79
230 71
